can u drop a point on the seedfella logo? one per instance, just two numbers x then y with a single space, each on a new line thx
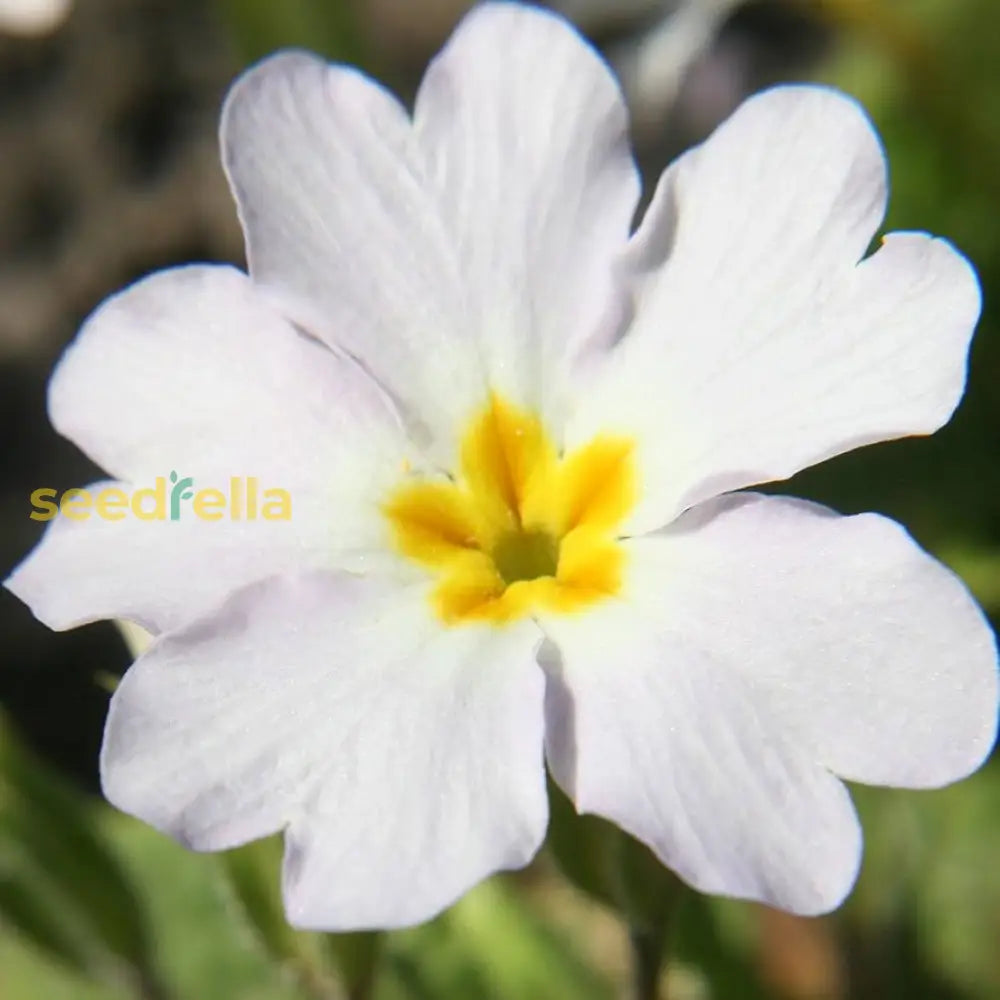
243 501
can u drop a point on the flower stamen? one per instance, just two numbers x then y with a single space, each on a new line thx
520 527
525 555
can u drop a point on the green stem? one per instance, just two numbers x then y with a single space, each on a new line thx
357 957
649 896
150 987
648 954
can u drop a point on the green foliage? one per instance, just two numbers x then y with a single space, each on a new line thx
60 884
357 957
325 26
318 962
252 872
492 945
584 848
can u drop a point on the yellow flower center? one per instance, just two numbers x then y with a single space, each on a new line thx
521 527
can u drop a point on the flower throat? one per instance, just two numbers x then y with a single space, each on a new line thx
519 528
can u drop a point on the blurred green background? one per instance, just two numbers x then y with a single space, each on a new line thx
108 169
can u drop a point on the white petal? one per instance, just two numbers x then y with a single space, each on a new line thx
342 230
525 133
760 345
653 733
190 371
404 758
161 574
872 653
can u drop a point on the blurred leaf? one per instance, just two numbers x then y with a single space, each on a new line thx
980 569
649 897
253 872
206 948
328 27
702 939
25 907
431 962
51 828
617 870
523 955
583 847
490 945
895 846
957 911
649 893
924 920
29 974
357 958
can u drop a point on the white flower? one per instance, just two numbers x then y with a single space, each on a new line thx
511 430
32 17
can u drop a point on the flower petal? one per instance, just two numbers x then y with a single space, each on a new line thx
873 654
189 371
469 248
760 345
162 573
654 734
405 759
342 231
761 641
525 133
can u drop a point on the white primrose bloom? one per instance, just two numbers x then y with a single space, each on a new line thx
511 428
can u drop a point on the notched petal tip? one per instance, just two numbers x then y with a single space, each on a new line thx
969 734
274 69
526 26
823 103
945 263
45 579
941 302
250 94
831 881
818 115
311 902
